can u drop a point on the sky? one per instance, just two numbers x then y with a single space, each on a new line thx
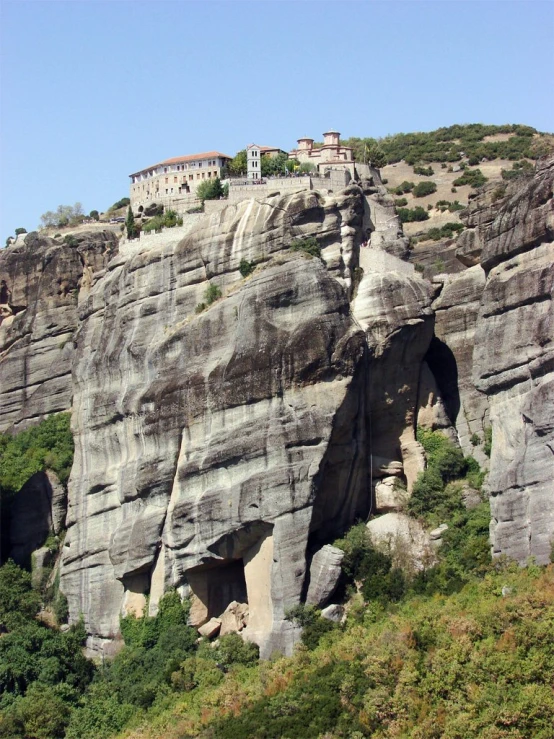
93 90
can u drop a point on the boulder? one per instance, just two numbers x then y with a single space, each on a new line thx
333 612
325 571
404 538
210 629
234 618
390 495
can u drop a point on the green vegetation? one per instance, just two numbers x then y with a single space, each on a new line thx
237 165
123 203
519 169
20 231
452 143
408 215
400 202
132 228
487 445
308 245
169 219
213 293
424 188
210 189
473 177
65 215
403 188
47 445
245 267
447 205
94 214
424 171
444 232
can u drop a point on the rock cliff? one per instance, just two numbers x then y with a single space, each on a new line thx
221 446
40 281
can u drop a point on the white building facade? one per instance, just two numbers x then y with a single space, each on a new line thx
175 178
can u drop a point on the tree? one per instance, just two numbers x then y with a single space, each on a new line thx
94 215
271 166
132 230
210 189
376 156
20 231
237 165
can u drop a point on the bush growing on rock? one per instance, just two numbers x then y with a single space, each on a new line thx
308 246
246 267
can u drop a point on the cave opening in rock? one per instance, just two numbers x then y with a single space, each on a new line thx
442 364
214 586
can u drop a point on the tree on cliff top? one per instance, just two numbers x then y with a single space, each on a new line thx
130 225
209 189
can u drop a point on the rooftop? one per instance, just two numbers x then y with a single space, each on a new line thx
188 158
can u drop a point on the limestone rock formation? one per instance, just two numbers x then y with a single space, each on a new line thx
214 449
514 365
222 443
41 280
325 571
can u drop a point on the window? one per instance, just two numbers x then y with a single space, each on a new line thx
165 169
191 176
175 179
166 180
199 164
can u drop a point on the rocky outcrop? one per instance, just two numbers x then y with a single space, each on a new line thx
514 365
216 450
450 359
41 280
223 440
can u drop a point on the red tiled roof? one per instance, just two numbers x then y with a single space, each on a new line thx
188 158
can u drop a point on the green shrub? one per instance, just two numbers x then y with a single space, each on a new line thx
424 171
124 202
400 202
445 462
49 444
408 215
424 188
232 649
308 245
246 267
210 189
487 445
20 231
94 214
212 293
473 177
313 626
200 308
404 187
19 603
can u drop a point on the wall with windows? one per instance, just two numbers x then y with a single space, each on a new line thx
175 180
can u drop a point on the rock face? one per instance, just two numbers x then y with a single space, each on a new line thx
216 449
514 366
40 281
222 445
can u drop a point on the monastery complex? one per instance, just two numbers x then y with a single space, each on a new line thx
173 182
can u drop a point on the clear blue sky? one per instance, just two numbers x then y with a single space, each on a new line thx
91 91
